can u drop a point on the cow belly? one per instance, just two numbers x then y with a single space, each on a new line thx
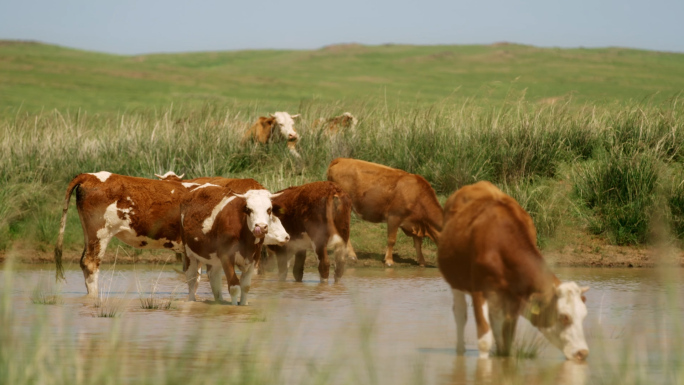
129 237
211 259
301 243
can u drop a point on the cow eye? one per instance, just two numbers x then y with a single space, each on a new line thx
565 320
248 210
269 211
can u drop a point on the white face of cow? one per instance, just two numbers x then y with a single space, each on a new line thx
567 333
285 123
259 211
276 233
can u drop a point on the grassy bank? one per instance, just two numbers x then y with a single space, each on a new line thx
609 172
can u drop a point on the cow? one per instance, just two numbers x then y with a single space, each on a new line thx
488 249
236 185
346 121
383 194
143 213
317 216
277 126
224 229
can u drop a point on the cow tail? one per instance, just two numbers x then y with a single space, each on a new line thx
59 275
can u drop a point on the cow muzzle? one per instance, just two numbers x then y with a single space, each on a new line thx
260 230
292 138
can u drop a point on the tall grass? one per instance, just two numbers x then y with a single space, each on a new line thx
517 145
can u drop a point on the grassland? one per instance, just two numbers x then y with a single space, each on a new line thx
589 141
36 77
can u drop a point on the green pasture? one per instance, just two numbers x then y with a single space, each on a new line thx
36 77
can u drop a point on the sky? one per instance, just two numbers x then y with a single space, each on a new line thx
152 26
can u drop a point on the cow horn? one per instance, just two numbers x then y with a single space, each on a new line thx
181 176
584 289
159 176
276 195
295 116
243 196
273 116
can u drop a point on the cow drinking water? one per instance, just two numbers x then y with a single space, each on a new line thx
488 248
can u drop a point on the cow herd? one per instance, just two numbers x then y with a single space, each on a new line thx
486 241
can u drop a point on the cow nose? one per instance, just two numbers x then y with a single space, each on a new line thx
292 136
581 355
264 228
287 238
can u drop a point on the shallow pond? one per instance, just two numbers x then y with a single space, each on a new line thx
378 325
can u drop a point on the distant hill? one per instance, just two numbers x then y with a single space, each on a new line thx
38 76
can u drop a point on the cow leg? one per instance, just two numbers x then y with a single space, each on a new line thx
323 262
351 254
392 228
181 257
298 267
214 274
503 325
90 262
461 316
233 280
418 244
192 275
340 258
282 257
485 339
246 282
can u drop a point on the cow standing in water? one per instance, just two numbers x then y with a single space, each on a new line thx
226 230
488 249
143 213
278 126
383 194
316 215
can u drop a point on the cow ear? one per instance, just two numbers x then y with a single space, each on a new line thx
278 210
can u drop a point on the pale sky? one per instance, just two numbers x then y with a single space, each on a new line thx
148 26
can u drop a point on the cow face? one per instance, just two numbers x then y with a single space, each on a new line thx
276 233
285 123
565 329
259 211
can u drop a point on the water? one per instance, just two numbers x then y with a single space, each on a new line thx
378 325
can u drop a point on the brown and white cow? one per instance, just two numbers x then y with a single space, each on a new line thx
224 230
141 212
278 126
333 125
383 194
236 185
316 215
488 249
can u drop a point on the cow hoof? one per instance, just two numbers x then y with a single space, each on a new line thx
389 263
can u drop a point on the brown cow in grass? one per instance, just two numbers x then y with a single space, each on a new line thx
223 230
383 194
316 215
346 121
278 126
141 212
488 249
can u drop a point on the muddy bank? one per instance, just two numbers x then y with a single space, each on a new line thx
579 255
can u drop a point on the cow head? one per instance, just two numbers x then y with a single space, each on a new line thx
276 233
258 209
285 124
560 318
170 176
